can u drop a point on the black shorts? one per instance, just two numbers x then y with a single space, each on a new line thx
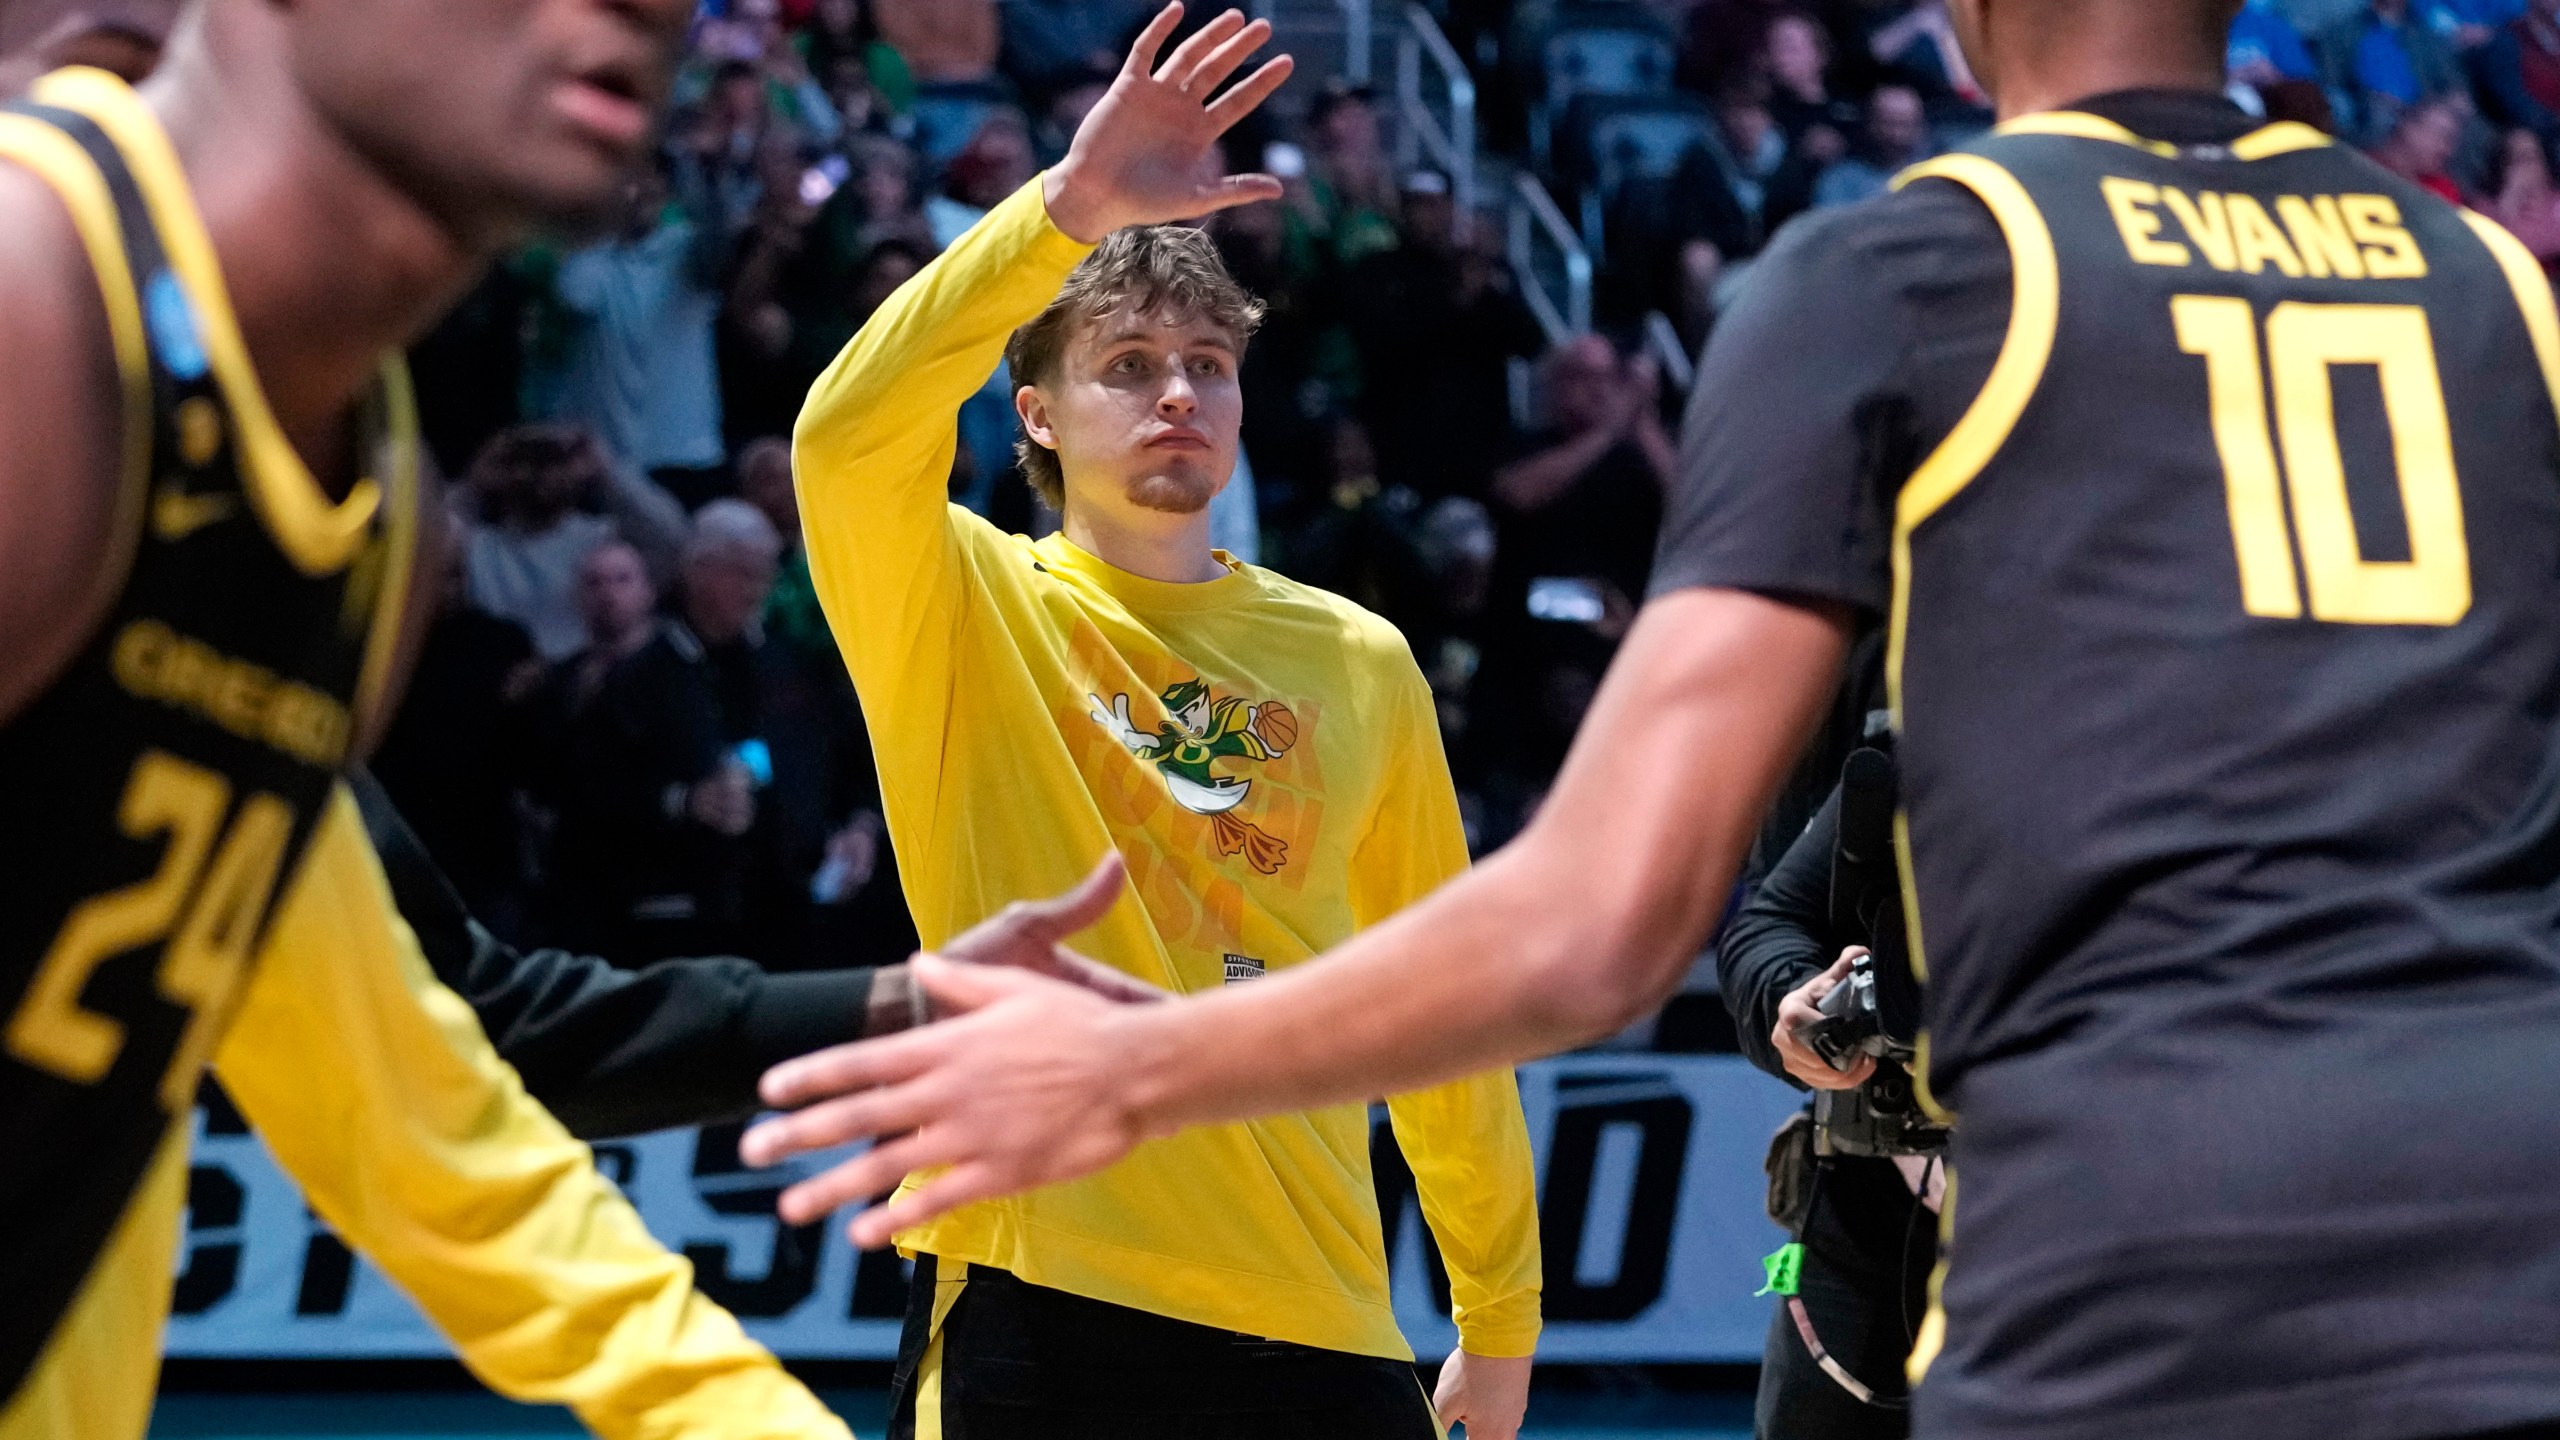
986 1356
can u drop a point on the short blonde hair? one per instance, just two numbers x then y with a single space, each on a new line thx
1162 270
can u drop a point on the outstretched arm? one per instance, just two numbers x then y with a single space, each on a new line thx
1592 916
377 1092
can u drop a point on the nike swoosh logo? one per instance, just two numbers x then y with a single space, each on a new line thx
175 514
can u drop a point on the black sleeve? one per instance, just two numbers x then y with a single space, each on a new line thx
1818 395
1781 939
608 1050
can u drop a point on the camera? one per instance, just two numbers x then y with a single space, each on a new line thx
1876 1011
1882 1116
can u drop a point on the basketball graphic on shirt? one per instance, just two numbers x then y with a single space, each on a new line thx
1276 725
1200 729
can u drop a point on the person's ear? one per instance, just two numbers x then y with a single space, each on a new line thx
1033 407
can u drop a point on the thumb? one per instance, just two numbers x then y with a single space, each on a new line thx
1237 190
957 988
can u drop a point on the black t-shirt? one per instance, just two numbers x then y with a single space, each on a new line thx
2229 705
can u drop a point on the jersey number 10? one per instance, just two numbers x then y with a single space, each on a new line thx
207 900
2304 344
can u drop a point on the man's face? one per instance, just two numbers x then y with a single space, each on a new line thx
724 589
764 481
614 595
1897 122
1144 414
1582 385
496 115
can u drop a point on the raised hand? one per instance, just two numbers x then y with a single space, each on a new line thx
1138 158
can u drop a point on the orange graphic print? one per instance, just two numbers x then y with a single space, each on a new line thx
1200 729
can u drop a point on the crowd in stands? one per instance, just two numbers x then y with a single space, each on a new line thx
630 730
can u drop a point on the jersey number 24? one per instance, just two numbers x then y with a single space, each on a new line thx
207 901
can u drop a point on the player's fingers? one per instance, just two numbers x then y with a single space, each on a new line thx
872 1173
957 988
961 1185
1248 94
1218 64
869 1115
1142 51
840 1068
1186 56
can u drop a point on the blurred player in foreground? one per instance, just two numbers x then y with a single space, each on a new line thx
209 507
1264 754
2209 480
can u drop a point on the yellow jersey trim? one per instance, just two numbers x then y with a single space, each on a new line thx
2034 318
2080 125
399 550
2533 296
2282 138
58 160
1932 1339
317 535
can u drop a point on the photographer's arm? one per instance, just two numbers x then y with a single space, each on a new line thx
1780 940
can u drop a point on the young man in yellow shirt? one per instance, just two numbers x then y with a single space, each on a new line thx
1264 755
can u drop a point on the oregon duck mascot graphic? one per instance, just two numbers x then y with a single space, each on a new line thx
1201 729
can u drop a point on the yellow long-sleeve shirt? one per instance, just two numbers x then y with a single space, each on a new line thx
1265 755
376 1090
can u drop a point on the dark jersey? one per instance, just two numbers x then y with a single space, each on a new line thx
2211 492
162 789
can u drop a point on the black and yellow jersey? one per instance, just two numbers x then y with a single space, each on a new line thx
165 785
189 885
2208 479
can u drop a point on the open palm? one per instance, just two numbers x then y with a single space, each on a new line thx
1138 159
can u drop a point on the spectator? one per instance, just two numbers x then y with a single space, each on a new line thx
764 481
2422 146
2470 24
2519 70
452 755
789 710
538 488
1436 325
1897 136
644 855
729 145
1725 41
998 160
1585 498
2521 196
950 47
2383 61
1797 58
1352 183
2267 48
1056 45
1732 190
642 372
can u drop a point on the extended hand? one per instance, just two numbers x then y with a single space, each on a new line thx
1028 1090
1489 1396
1137 158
